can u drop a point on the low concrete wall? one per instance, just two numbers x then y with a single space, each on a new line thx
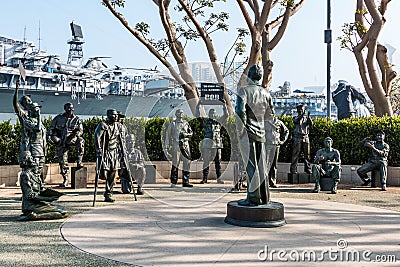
9 174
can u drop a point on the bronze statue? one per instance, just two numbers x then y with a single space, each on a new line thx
344 97
136 165
301 142
176 148
35 135
36 202
254 107
211 144
108 142
377 160
65 131
22 113
276 134
327 163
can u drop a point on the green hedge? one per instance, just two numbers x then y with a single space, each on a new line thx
346 135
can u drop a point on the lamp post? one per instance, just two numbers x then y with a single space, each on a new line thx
328 41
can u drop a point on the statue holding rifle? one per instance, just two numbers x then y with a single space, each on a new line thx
65 131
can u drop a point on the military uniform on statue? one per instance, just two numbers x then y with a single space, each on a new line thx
65 131
254 107
211 145
108 142
176 148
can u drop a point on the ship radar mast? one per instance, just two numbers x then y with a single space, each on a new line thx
75 54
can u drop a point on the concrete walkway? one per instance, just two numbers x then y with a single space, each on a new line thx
185 227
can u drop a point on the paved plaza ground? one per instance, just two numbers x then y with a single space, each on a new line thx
185 227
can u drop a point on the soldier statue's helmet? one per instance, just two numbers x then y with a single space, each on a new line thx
328 139
111 111
179 111
120 114
342 82
255 73
36 105
24 100
299 106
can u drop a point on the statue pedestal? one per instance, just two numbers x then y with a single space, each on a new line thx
376 178
299 178
79 177
261 216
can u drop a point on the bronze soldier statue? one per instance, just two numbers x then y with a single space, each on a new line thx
301 142
35 135
276 134
65 131
176 147
254 107
108 142
22 113
36 202
211 144
327 163
377 160
136 165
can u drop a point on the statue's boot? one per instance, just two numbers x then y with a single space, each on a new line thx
185 178
334 188
317 187
65 180
79 163
218 171
205 175
383 187
139 190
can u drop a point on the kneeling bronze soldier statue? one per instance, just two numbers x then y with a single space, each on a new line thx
36 202
377 160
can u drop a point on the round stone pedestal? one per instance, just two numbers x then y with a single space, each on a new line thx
262 216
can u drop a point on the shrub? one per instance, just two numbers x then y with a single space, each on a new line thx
346 135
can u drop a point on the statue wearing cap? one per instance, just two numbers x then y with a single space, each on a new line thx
36 202
35 134
254 107
301 141
327 163
108 143
344 97
177 149
378 159
66 131
21 108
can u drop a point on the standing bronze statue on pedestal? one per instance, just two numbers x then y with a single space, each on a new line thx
65 131
211 145
177 149
254 107
301 142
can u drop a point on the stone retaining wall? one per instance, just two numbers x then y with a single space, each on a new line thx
9 174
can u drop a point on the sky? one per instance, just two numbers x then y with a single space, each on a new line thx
299 58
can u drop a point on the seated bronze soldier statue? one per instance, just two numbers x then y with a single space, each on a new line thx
136 166
36 202
326 164
377 160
